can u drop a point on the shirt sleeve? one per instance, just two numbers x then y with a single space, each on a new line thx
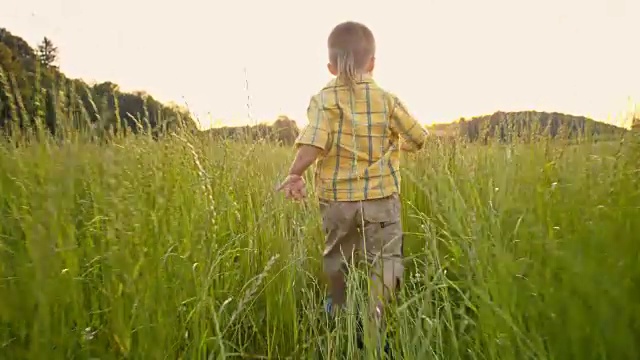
407 127
316 132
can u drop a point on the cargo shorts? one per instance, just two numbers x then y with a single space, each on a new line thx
371 228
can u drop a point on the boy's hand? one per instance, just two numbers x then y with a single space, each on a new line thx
294 187
407 147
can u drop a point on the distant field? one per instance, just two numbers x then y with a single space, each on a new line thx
181 249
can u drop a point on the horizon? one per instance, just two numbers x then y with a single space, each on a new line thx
441 123
573 57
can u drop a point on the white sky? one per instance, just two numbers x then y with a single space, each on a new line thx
444 58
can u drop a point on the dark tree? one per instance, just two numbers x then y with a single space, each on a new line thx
47 53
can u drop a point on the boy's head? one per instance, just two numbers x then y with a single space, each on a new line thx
352 50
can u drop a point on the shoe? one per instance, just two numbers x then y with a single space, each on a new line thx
387 350
328 305
359 333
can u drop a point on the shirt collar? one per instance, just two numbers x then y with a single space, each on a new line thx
360 79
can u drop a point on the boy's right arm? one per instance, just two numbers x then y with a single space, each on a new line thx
407 147
413 135
313 140
317 132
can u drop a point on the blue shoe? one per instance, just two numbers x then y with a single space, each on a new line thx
328 305
387 349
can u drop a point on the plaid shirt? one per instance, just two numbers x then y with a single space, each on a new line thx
360 132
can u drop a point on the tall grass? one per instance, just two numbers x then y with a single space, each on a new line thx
180 249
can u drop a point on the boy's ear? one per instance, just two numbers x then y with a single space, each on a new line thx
332 69
372 64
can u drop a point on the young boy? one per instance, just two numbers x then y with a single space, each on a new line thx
354 134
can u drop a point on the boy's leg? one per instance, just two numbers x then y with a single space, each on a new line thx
384 249
337 287
341 235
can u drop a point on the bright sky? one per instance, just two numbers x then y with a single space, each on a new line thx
444 58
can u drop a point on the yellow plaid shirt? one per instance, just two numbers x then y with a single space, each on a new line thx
360 134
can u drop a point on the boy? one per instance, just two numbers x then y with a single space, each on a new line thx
354 132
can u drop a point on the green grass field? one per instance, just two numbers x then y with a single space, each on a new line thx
181 249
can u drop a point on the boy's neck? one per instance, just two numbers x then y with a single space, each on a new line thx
364 76
361 77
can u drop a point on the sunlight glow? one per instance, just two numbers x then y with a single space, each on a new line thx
445 59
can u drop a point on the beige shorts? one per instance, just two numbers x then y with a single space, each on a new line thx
371 228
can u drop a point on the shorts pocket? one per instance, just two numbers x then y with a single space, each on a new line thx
381 211
383 229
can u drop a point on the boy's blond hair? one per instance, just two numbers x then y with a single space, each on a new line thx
351 46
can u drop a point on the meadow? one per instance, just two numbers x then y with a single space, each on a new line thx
181 249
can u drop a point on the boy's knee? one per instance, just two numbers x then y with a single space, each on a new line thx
333 265
391 272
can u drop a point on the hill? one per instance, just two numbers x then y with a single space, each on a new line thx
33 90
524 125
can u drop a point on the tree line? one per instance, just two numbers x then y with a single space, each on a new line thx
283 131
35 93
